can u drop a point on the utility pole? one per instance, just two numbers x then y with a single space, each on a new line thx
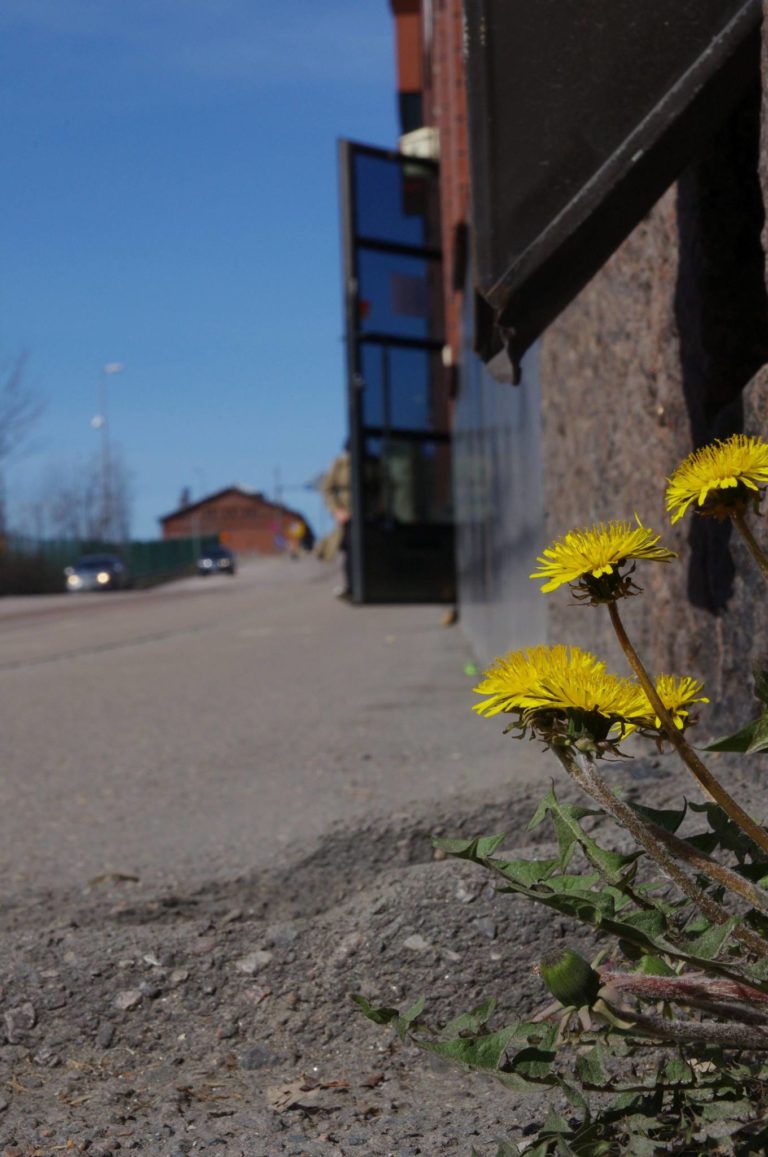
100 422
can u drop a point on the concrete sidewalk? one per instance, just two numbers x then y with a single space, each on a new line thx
203 730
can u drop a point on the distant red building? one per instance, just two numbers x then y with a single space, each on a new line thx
244 520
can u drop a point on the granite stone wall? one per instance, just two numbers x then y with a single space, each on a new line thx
664 350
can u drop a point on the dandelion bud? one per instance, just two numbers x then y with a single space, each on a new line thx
569 978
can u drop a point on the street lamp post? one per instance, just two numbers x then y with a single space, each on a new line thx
100 422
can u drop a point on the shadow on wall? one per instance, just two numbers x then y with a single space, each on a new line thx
721 308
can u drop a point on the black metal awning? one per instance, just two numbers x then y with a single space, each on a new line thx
581 113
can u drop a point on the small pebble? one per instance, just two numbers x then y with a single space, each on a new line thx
417 943
254 962
19 1021
256 1057
128 999
105 1036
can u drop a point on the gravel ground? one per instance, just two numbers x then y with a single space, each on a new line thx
218 1019
157 996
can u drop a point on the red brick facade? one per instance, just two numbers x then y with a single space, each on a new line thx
435 33
246 522
445 107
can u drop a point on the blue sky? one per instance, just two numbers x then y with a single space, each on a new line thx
169 201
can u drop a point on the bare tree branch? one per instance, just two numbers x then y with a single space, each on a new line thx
20 409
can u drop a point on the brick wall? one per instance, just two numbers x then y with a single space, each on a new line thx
245 523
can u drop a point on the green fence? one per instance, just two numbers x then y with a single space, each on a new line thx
147 562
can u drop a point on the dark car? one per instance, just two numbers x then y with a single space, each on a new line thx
217 560
97 572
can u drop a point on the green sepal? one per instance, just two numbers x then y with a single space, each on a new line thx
570 978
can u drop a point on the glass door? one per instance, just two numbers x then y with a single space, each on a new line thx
401 536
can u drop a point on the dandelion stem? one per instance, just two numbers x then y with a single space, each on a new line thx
718 873
706 779
584 773
740 522
734 1036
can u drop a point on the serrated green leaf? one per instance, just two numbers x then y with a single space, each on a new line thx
649 921
541 812
549 801
573 1096
517 1083
527 872
707 945
377 1015
705 842
543 1149
555 1123
726 834
560 816
414 1012
676 1071
533 1063
471 1022
697 924
739 1111
761 684
590 1067
759 741
739 741
487 845
565 884
668 819
566 819
756 873
401 1022
533 1032
638 1146
624 1102
477 849
483 1052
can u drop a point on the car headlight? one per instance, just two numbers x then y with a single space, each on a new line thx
103 577
73 580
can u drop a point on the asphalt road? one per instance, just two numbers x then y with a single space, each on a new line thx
201 729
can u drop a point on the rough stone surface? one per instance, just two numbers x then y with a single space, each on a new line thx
662 352
283 1062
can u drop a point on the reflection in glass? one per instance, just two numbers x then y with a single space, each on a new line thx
396 200
408 481
404 388
397 294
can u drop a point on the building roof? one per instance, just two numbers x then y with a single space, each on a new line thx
254 496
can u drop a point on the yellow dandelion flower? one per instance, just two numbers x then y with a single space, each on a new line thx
719 476
555 679
584 556
677 695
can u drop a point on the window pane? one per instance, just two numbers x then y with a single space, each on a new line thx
404 388
407 481
398 295
396 200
